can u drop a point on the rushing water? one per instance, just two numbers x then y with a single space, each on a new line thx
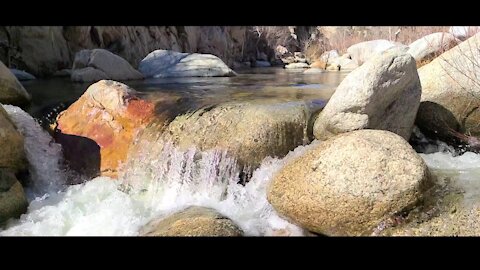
103 206
47 175
177 179
464 169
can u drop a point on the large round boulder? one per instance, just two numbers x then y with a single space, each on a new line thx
384 93
97 130
350 183
166 63
99 64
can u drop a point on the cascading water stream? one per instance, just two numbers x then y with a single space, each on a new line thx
178 179
152 188
167 181
47 175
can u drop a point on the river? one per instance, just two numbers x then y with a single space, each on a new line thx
103 206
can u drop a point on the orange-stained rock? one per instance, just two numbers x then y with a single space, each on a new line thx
97 130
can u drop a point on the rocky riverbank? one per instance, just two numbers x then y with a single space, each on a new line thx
160 167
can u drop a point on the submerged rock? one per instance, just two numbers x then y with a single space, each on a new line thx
165 63
450 92
99 64
97 130
384 93
11 90
350 183
193 221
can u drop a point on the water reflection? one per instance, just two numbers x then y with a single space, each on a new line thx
273 84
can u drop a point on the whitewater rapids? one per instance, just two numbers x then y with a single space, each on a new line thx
176 180
107 207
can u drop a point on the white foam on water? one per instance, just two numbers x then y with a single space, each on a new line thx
179 179
463 169
96 207
43 154
429 146
246 205
447 161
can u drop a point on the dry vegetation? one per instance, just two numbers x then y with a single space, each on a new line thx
469 70
402 34
345 37
463 68
315 40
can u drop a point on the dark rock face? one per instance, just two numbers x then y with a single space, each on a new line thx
43 50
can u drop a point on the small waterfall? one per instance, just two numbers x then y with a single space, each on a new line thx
174 180
44 156
170 169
